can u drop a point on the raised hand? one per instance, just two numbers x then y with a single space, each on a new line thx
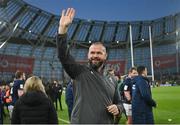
66 20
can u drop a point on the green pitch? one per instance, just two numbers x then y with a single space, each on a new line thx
167 111
168 104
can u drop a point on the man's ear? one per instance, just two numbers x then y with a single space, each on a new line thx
88 54
106 56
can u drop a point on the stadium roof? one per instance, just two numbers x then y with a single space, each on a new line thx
38 27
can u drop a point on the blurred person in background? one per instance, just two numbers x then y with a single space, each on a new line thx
8 100
127 93
56 93
34 107
17 89
1 106
69 97
60 91
3 93
142 101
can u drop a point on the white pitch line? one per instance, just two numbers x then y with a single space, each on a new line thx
63 120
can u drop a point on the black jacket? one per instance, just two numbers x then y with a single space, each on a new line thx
16 87
34 108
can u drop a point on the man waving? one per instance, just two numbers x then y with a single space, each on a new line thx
96 99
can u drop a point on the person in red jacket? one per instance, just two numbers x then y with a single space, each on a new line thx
8 100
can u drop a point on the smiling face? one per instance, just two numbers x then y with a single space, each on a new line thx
97 55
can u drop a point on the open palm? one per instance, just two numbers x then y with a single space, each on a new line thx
67 18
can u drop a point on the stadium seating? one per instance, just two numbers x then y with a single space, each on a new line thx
36 31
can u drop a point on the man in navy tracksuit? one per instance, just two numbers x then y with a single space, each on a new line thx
142 101
127 93
17 86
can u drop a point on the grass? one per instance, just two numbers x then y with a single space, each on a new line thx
168 107
63 115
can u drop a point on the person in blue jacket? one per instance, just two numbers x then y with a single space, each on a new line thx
17 86
142 101
69 97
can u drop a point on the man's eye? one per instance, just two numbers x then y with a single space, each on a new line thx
92 52
99 53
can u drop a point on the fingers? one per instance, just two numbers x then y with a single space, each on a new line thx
63 13
113 109
66 19
70 12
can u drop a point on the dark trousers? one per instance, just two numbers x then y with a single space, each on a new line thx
1 114
60 104
142 118
56 102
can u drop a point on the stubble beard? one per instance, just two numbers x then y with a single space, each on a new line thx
97 65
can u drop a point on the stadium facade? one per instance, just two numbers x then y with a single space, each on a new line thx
31 46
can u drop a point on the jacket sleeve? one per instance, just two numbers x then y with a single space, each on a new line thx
16 114
117 100
53 119
72 68
146 94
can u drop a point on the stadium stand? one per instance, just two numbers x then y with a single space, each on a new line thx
37 29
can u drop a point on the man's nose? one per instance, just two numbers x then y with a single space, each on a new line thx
95 55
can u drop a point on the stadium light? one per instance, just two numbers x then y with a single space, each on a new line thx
177 33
